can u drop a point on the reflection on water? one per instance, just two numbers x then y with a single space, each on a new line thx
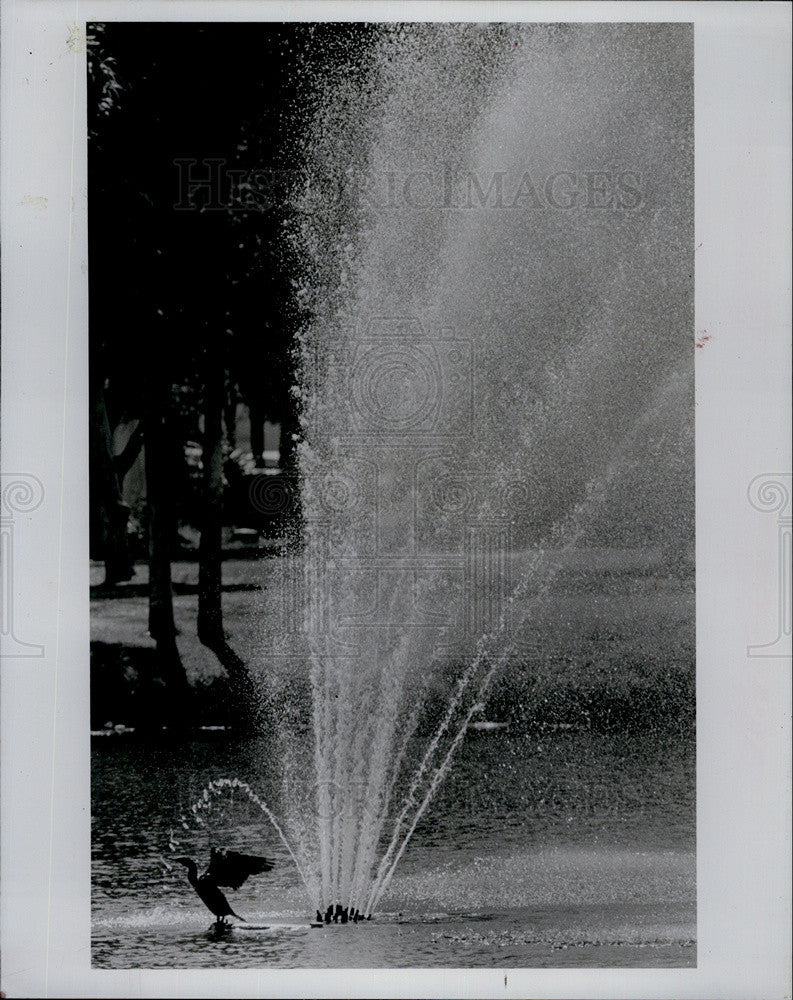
565 848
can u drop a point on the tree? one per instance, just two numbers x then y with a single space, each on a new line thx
210 611
190 290
109 514
159 472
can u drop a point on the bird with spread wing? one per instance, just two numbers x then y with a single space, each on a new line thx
226 868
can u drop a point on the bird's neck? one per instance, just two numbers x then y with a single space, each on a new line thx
192 874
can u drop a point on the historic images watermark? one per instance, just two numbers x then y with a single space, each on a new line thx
212 184
770 493
20 493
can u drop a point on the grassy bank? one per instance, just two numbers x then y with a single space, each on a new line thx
612 649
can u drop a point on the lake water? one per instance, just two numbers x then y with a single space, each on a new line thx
554 849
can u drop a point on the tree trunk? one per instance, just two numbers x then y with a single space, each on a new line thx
124 462
110 513
288 445
159 474
230 412
210 609
256 413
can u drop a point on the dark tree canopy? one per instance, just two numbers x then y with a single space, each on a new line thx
193 156
170 267
163 273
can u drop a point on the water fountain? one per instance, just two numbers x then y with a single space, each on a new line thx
497 351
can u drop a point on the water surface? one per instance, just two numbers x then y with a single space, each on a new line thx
566 848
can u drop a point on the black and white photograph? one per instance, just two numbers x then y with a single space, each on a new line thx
392 494
395 588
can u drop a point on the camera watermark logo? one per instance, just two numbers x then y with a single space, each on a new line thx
770 493
399 386
396 387
20 493
400 533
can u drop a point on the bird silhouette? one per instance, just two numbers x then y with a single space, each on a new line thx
226 868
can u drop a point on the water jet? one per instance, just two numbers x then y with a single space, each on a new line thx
461 441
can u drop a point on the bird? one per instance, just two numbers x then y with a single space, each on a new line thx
225 868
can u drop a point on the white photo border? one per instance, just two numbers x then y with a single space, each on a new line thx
743 255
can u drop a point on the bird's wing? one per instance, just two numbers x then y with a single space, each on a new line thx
231 868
